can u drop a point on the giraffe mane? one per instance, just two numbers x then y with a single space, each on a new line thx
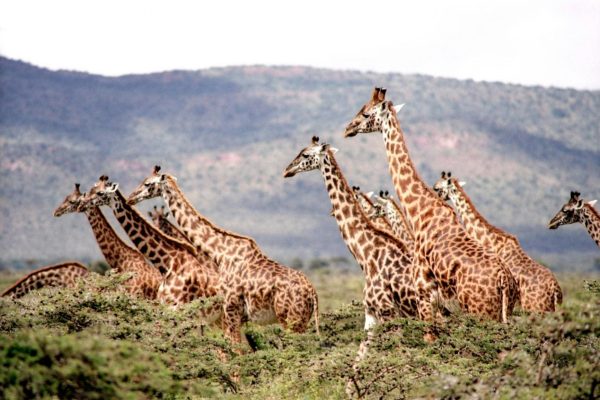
438 201
478 215
592 209
187 203
175 242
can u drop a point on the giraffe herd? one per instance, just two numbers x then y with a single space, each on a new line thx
415 253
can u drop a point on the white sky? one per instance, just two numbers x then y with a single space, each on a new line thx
545 42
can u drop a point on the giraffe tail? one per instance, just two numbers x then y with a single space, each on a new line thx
316 310
507 295
558 297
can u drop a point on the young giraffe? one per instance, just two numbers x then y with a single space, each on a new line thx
185 278
385 261
121 258
446 261
253 286
160 218
575 210
60 275
538 288
385 207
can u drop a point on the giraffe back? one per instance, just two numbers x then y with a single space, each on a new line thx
59 275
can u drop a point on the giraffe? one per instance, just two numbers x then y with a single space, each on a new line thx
576 210
539 290
368 208
252 285
184 277
384 260
121 258
386 207
446 262
66 274
160 218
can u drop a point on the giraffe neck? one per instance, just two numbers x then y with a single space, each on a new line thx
591 220
399 222
416 197
474 223
366 205
112 247
153 244
352 222
220 245
171 230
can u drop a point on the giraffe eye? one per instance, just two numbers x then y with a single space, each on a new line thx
365 115
305 155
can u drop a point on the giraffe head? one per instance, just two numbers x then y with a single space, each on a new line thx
381 205
447 187
370 116
70 203
152 186
100 194
571 212
157 215
309 158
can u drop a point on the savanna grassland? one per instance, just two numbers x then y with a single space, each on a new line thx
97 342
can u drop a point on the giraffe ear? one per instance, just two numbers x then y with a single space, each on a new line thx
591 203
369 195
462 183
112 188
579 205
398 107
329 147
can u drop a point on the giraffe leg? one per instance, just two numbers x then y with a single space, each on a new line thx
232 318
428 295
353 385
425 288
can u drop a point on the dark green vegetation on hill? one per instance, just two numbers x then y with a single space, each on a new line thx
95 342
228 133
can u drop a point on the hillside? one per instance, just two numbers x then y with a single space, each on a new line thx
227 134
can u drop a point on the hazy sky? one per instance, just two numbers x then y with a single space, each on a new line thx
545 42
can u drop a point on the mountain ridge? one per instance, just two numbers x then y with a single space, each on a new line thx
228 132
